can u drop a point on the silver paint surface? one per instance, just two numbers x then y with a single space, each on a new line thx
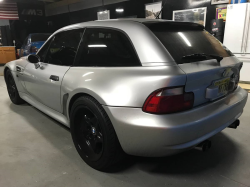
201 75
39 85
122 92
150 135
121 86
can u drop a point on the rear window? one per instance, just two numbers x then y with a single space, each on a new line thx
183 40
39 37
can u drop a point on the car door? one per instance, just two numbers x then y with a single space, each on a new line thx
56 56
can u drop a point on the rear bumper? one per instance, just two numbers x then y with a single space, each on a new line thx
144 134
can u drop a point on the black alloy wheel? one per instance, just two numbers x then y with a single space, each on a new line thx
12 89
93 134
89 134
11 86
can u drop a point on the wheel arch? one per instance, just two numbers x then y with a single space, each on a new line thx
6 68
10 66
80 94
77 95
73 99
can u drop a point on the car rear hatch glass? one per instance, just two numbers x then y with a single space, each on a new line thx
183 39
207 63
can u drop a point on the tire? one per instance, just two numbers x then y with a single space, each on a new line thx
12 89
94 135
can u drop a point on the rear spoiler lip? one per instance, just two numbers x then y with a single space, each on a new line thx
174 25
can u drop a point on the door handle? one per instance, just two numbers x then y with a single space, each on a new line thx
54 78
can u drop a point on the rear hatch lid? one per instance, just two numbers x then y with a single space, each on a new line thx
212 70
209 80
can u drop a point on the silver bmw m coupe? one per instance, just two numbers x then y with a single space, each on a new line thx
141 87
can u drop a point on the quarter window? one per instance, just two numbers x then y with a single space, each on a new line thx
63 48
106 47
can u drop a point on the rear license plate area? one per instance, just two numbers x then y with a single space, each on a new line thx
222 86
218 89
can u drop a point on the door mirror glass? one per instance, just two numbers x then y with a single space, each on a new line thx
34 59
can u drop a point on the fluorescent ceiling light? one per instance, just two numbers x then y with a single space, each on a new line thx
101 12
99 45
119 10
185 39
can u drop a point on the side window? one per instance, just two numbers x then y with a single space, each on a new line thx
106 47
63 48
43 51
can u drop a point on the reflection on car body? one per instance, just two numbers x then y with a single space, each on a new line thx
128 86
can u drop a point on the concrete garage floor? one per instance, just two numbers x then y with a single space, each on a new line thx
37 151
1 69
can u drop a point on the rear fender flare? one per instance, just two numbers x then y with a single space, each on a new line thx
78 93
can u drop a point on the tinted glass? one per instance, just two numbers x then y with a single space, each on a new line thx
43 51
39 37
63 48
183 41
106 47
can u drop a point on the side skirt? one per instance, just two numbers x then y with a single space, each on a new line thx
50 112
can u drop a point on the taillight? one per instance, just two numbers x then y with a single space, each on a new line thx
168 100
235 79
238 78
33 49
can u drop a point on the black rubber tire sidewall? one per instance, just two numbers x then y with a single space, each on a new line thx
111 146
17 99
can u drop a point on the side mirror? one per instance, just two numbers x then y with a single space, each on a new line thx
34 59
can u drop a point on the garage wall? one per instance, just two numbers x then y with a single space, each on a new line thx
4 22
132 8
76 5
189 4
62 14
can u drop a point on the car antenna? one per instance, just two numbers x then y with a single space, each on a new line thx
158 16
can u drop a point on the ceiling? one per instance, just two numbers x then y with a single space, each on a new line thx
54 7
31 1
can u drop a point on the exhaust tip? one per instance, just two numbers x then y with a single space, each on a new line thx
235 124
204 146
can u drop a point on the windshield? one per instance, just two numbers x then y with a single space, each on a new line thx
181 42
39 37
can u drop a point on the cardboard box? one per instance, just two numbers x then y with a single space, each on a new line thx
7 54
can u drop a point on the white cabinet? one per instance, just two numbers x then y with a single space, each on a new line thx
237 35
235 26
245 71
